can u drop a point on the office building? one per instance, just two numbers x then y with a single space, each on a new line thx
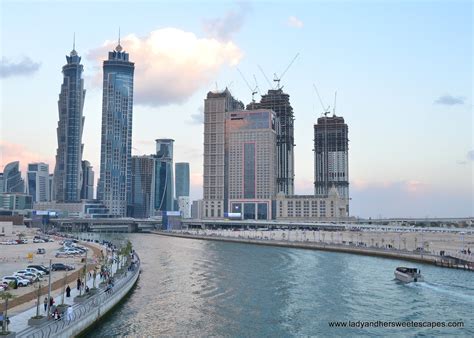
15 201
142 200
251 162
1 183
12 181
87 190
37 182
196 209
181 179
216 107
51 187
67 171
279 102
331 156
114 184
184 206
164 183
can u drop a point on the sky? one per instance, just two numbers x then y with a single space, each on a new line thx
402 71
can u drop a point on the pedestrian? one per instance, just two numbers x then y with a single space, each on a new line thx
57 316
68 291
87 289
45 303
82 286
51 301
69 313
78 284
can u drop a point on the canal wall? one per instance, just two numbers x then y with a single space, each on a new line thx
367 251
89 311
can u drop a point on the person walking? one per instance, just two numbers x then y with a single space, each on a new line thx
78 284
68 291
45 303
51 301
69 313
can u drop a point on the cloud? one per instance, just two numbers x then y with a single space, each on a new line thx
22 68
171 64
293 21
10 152
225 27
198 117
449 100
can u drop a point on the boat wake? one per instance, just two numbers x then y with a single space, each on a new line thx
464 293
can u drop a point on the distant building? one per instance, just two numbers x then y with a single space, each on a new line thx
196 209
142 200
37 182
82 209
51 187
311 207
15 201
251 158
279 102
114 186
184 206
331 156
181 179
164 196
216 107
1 183
12 181
87 190
67 171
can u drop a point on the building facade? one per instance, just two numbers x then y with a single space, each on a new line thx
114 184
216 107
251 163
12 181
142 200
37 182
15 201
164 182
67 171
279 102
184 206
331 156
181 170
196 209
87 190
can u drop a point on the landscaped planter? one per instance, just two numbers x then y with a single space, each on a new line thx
8 335
37 321
80 299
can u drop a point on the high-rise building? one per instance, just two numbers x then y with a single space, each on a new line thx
251 162
331 156
37 179
67 171
12 181
181 179
51 187
87 190
164 196
216 107
279 102
184 206
142 200
114 185
1 183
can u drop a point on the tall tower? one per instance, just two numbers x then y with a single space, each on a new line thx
12 181
142 200
37 184
279 102
182 179
114 184
216 106
87 190
164 182
67 171
331 156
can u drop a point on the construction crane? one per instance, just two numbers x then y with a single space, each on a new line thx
277 78
254 90
325 110
265 76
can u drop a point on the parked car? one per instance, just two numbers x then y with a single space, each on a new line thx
26 275
61 267
40 268
40 251
36 271
19 281
38 240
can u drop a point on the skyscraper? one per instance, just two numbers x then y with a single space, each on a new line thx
87 190
279 102
114 185
251 162
38 182
331 156
12 181
216 107
67 171
164 196
142 200
182 179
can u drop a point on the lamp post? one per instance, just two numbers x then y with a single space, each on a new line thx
49 288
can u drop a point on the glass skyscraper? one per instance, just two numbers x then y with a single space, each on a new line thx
116 142
67 172
87 190
38 182
182 179
164 198
142 202
12 181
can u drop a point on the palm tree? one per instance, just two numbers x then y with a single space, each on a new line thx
5 296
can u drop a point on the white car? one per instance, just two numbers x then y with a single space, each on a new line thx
25 275
36 271
19 281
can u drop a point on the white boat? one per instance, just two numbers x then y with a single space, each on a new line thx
408 275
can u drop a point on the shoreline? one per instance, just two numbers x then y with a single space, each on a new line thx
365 251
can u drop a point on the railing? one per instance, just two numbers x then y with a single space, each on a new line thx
81 311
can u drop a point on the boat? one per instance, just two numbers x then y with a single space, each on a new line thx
408 275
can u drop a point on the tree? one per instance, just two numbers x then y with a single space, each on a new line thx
4 295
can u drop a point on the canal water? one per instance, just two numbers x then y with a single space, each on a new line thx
205 288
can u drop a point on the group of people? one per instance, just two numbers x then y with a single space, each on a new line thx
54 311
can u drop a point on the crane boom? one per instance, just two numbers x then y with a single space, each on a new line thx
265 76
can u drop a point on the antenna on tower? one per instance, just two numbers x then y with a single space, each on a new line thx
334 107
74 41
119 37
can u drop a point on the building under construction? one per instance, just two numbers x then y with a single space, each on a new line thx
279 102
331 156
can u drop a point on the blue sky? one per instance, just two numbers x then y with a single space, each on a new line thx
402 70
